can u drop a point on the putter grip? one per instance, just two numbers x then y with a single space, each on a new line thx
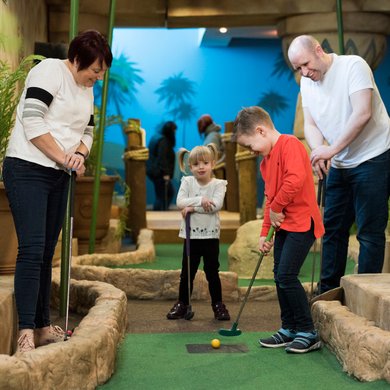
270 233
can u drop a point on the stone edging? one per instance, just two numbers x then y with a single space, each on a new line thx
145 253
162 284
361 347
88 357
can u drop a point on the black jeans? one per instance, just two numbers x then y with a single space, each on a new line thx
209 250
37 197
290 251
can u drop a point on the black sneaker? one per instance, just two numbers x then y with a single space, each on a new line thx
220 312
281 338
178 311
304 342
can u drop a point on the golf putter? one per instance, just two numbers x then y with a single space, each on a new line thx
72 184
234 331
319 198
336 293
190 314
322 216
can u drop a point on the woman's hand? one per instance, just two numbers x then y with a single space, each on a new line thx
75 162
80 171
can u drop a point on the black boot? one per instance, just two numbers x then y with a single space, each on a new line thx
220 312
178 311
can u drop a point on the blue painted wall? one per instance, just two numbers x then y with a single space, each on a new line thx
222 80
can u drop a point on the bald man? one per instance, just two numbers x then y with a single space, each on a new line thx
342 106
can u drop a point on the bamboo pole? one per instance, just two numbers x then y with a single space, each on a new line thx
65 245
340 27
232 201
102 122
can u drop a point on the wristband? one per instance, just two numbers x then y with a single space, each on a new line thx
81 154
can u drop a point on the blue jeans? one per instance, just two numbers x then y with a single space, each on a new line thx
290 251
357 194
37 197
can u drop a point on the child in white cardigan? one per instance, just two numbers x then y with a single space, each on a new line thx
201 195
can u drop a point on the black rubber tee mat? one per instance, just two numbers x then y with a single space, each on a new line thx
224 348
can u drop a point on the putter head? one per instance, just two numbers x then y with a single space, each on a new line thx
234 331
336 294
189 315
68 335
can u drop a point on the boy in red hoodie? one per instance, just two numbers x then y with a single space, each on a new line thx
292 209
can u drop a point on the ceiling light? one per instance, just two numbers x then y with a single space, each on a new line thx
223 30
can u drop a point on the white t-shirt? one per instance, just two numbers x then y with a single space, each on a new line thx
203 224
329 104
52 102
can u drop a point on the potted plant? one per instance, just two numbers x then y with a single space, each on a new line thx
11 86
84 195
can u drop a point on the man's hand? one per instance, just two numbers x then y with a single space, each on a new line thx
321 168
323 152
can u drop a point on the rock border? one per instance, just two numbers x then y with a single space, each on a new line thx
145 253
362 348
164 284
88 357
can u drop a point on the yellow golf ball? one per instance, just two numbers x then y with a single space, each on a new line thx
215 343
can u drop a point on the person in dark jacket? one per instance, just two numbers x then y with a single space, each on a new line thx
161 164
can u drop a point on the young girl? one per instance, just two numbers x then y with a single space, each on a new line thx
201 195
291 207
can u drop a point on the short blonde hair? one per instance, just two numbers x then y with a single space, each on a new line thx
248 119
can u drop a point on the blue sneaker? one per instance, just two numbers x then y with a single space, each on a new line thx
281 338
304 342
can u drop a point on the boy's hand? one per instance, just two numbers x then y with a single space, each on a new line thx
186 210
265 246
207 204
276 218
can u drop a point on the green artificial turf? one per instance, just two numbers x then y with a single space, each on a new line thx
168 257
161 361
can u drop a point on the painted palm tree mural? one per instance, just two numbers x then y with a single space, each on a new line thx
273 102
176 92
122 88
281 68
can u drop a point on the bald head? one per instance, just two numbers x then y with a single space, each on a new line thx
307 57
305 43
